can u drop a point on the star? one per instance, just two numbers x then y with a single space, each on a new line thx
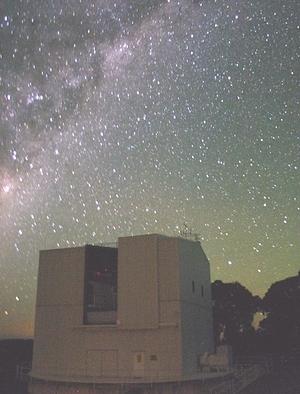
129 117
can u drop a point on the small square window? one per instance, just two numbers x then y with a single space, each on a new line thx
139 358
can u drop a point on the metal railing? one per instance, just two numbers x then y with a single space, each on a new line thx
243 376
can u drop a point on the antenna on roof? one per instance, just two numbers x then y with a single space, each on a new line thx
186 232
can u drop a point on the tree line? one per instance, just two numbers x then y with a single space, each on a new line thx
277 316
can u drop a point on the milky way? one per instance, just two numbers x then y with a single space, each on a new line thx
134 117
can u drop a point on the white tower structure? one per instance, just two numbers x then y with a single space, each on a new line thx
142 310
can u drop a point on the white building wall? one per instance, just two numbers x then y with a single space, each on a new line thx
65 347
160 320
196 304
138 282
168 281
59 308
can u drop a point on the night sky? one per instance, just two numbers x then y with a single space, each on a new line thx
133 117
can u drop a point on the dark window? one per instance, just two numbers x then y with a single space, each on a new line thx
193 286
202 290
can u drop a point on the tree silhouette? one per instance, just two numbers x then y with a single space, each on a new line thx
234 307
281 328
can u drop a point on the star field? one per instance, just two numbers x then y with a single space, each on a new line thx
132 117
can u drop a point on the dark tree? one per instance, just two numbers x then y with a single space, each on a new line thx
234 308
281 328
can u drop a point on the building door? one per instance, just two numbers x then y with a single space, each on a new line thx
110 363
94 363
138 364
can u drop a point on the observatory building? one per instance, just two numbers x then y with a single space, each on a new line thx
109 316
